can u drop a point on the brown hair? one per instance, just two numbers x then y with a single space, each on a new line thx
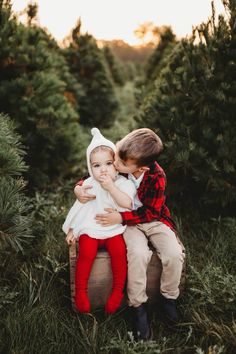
141 145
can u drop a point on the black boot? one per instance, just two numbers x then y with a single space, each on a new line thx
169 310
140 323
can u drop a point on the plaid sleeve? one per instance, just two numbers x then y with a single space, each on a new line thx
153 201
81 181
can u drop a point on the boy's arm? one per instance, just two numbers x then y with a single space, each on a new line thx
82 192
81 180
153 202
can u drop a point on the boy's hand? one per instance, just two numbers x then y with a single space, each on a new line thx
112 217
70 239
82 194
106 182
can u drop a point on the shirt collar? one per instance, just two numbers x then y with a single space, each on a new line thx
136 181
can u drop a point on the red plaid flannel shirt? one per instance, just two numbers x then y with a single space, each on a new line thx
151 193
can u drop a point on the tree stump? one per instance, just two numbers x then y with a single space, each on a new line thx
100 281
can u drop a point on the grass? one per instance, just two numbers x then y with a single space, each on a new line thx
36 314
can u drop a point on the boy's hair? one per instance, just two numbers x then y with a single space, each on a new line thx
103 148
141 145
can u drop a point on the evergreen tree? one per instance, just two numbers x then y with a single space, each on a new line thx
98 105
40 93
192 107
15 220
114 66
156 60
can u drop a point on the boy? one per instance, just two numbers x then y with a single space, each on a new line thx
136 156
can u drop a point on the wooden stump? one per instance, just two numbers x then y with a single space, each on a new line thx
100 281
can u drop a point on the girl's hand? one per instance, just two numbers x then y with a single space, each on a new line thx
82 194
106 182
70 239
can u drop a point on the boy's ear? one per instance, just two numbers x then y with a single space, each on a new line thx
144 168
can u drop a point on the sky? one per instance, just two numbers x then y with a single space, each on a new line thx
117 19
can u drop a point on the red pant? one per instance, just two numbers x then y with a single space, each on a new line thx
88 247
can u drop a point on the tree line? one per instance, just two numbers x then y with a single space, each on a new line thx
49 98
52 92
186 93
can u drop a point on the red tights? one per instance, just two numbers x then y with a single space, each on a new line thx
88 247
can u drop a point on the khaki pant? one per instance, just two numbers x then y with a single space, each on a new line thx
169 250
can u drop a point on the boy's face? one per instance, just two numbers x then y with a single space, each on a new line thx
127 166
102 164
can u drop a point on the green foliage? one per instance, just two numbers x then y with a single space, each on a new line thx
11 152
15 211
165 46
49 209
205 291
114 66
7 296
40 297
155 63
209 298
98 105
131 346
15 219
192 108
40 93
124 122
133 58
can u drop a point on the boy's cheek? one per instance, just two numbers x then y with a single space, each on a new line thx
116 165
119 169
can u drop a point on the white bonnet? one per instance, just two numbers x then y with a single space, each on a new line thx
97 140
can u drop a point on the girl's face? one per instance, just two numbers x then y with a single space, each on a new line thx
102 164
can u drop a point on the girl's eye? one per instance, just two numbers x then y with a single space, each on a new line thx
110 163
96 166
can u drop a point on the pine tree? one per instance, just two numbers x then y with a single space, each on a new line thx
15 219
192 107
99 104
40 93
114 66
156 60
